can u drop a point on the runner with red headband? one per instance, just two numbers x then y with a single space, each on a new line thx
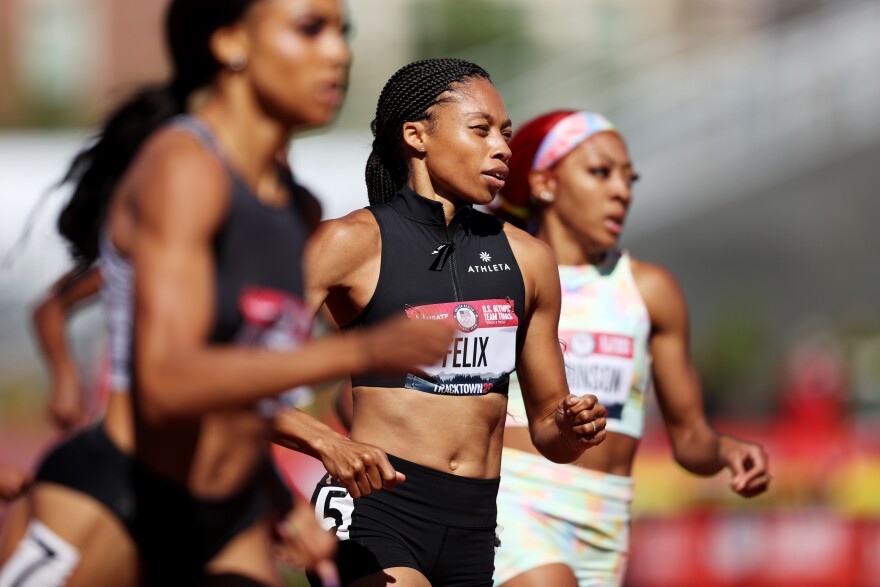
623 322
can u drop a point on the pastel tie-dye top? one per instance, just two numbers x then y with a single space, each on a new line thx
603 330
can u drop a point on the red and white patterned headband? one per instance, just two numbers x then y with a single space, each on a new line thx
568 133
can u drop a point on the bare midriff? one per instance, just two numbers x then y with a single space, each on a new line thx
213 457
460 435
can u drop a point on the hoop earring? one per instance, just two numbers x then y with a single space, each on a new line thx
237 62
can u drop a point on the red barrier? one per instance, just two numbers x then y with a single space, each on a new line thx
798 549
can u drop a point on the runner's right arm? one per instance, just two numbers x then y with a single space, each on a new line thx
696 445
66 406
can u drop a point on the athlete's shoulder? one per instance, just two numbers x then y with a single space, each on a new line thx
356 225
531 249
339 248
650 276
354 234
176 151
657 285
176 175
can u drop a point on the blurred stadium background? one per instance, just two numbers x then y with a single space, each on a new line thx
756 127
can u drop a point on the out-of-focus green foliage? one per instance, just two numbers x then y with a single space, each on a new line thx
733 359
492 34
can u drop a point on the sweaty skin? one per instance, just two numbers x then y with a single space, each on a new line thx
196 425
591 191
583 200
455 434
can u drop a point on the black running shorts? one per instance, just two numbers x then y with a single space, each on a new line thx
439 524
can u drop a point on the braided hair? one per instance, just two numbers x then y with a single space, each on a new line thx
407 97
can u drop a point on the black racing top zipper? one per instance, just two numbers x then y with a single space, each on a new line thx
446 251
456 287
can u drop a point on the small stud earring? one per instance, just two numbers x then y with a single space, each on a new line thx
421 149
237 63
546 197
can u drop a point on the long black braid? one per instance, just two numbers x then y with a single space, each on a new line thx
407 97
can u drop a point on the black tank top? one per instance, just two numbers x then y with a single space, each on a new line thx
464 272
258 253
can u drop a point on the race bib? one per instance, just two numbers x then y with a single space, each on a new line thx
276 321
600 364
482 354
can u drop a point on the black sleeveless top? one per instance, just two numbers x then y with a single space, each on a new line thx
464 272
258 251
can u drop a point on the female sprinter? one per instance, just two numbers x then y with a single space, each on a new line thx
622 322
200 234
423 251
305 543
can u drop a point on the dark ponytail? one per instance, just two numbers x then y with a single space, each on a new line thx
407 97
96 170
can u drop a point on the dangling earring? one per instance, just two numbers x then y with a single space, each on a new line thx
546 197
237 63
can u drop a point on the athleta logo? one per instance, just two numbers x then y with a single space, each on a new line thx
485 258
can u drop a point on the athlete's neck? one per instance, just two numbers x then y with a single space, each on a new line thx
426 190
569 247
251 140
